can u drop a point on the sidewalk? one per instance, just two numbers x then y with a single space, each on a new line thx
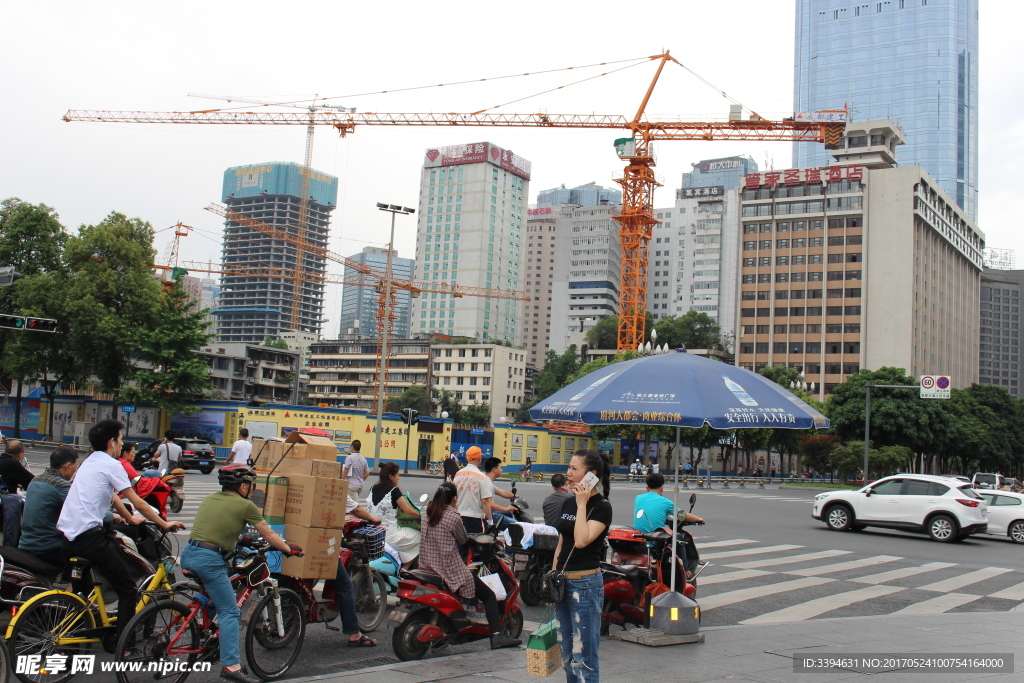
753 653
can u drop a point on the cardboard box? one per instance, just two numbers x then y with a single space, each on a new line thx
265 454
303 467
271 497
320 552
317 502
312 447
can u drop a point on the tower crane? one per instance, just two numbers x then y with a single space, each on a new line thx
636 218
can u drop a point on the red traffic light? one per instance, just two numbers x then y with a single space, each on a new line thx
41 324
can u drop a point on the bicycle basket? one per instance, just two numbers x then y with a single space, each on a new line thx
368 541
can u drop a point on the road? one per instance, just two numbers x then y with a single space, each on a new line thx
771 562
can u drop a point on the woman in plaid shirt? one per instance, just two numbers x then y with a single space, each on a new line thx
439 553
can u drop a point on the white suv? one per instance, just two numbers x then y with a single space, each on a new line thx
942 507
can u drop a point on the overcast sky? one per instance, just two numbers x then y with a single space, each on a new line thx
149 56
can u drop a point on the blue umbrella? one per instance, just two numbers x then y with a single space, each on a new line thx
678 390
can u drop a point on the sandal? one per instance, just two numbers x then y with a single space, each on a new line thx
363 642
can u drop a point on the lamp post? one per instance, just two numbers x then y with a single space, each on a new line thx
384 342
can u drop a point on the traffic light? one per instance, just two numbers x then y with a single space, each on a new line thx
41 324
411 416
15 322
8 275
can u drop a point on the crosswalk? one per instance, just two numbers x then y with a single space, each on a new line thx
196 489
753 583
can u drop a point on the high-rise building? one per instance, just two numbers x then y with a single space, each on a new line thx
858 265
911 61
586 273
359 304
250 309
472 213
1000 341
590 194
538 277
727 172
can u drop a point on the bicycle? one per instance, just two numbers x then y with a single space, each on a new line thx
167 631
62 624
434 468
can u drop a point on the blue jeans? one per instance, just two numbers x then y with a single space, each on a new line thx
345 595
210 567
579 627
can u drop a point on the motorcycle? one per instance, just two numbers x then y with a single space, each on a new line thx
362 543
389 565
519 514
431 617
530 564
640 560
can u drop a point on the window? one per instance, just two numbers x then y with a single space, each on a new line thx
835 294
782 244
835 258
748 296
813 293
779 347
781 312
797 294
798 277
833 328
782 260
856 257
796 347
746 312
796 310
779 329
764 277
851 368
762 329
749 246
765 261
851 327
857 141
833 368
835 241
854 239
851 347
762 347
749 228
853 292
748 263
816 241
853 310
799 260
763 312
813 347
853 275
782 294
782 277
834 274
813 310
766 244
833 310
746 348
766 227
814 276
748 279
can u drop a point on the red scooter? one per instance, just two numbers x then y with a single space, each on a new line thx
431 617
639 560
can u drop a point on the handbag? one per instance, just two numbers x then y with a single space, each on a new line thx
406 520
552 583
543 654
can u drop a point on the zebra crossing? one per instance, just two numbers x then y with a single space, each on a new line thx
197 488
752 583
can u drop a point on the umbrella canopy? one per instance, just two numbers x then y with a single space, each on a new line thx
678 390
314 431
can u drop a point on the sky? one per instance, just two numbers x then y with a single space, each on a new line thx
57 55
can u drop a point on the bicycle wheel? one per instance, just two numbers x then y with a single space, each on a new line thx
269 654
371 593
39 629
5 663
160 636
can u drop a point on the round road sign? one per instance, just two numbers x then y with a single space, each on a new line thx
927 382
942 382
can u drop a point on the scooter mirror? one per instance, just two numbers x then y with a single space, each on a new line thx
424 498
693 500
484 539
640 514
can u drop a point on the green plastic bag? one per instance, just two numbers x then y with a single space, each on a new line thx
543 654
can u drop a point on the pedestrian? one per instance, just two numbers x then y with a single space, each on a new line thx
451 466
13 472
773 471
168 453
687 468
241 450
526 473
475 493
355 470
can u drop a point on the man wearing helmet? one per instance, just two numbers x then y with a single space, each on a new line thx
219 520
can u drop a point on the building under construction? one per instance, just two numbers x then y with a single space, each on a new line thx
250 309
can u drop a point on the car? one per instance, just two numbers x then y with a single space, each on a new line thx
944 508
994 481
959 477
197 454
1005 514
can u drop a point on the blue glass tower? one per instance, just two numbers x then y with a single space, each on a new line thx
912 61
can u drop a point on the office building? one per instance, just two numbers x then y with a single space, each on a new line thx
480 373
858 265
253 372
470 223
538 278
359 304
1000 342
914 62
250 309
727 172
586 271
343 371
590 194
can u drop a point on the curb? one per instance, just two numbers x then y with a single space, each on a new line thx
798 487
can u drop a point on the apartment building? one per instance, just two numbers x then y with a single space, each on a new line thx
481 373
343 371
252 372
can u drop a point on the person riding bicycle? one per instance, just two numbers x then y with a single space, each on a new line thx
97 483
220 519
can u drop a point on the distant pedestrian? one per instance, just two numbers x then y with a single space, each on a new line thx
241 450
527 472
356 469
773 471
451 467
168 453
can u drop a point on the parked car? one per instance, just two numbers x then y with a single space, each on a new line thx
1005 514
944 508
994 481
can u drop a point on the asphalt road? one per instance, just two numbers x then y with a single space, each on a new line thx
770 562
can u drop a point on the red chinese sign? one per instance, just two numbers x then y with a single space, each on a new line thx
458 154
802 176
538 212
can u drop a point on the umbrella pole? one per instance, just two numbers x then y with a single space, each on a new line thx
675 507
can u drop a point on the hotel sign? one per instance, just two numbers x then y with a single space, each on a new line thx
700 192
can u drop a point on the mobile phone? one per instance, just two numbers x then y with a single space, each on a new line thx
590 481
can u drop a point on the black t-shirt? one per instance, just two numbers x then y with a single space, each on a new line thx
589 557
378 491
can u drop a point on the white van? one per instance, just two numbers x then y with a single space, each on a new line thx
994 481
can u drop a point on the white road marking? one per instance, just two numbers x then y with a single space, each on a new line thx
749 551
950 585
718 544
1011 593
843 566
902 573
812 608
791 559
758 592
938 605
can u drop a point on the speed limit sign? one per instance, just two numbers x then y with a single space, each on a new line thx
935 386
927 382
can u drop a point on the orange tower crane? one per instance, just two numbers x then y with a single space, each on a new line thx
638 181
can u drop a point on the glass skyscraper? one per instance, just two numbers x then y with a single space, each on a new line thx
912 61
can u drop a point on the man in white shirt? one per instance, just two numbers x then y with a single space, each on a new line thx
241 450
355 470
168 454
475 493
97 483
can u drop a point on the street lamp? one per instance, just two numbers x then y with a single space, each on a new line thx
383 349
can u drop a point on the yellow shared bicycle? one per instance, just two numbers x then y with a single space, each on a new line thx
52 630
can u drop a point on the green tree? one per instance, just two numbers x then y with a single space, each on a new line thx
847 460
414 397
899 417
556 373
447 403
692 330
165 371
115 296
605 334
816 451
477 415
781 375
276 343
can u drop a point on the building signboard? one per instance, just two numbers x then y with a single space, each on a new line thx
800 176
698 192
539 212
715 165
821 116
513 163
474 153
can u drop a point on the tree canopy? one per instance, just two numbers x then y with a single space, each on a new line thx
414 397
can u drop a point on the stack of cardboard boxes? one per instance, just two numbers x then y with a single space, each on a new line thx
302 496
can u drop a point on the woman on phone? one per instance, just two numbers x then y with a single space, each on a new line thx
582 528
